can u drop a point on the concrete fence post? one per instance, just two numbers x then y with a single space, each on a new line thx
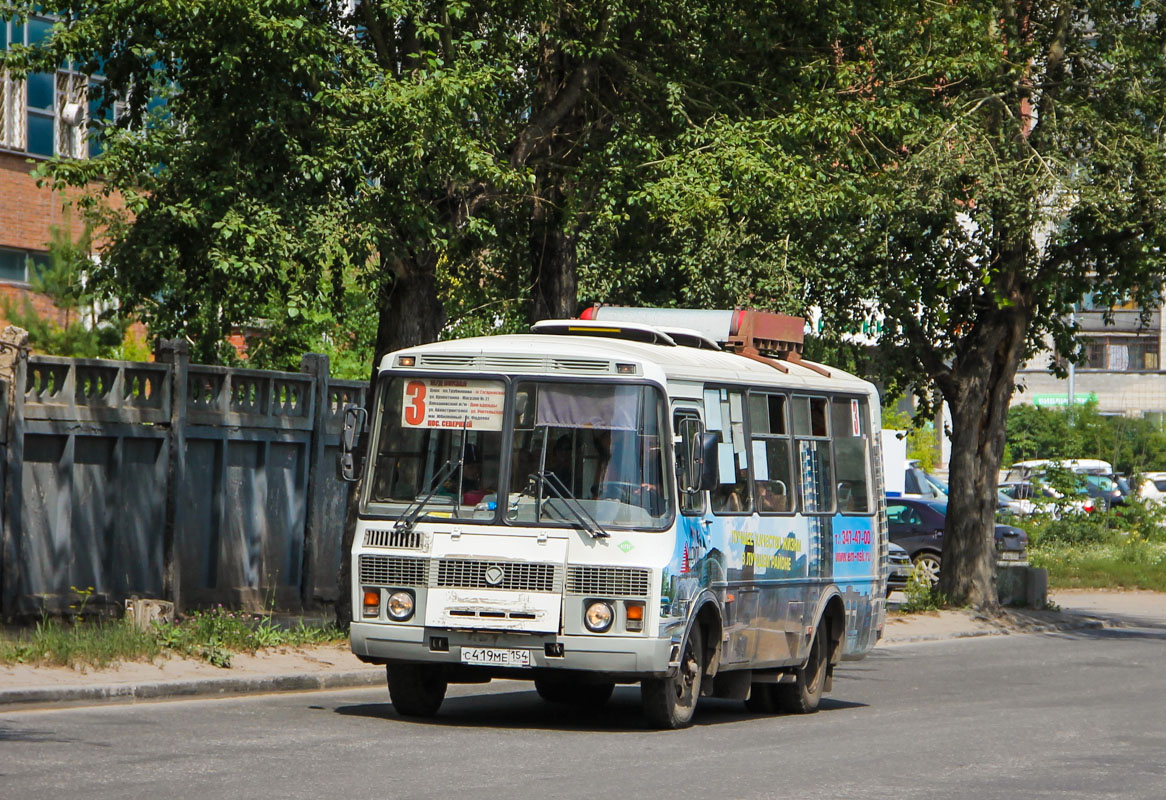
316 501
176 354
14 375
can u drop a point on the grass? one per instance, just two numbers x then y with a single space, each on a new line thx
1133 565
213 636
1124 548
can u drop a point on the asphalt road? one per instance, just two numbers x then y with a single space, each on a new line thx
1069 715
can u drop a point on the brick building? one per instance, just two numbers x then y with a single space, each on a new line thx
43 115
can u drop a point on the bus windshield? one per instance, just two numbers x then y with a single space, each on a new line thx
576 447
598 447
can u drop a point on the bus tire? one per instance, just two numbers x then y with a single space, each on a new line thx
416 690
669 703
573 693
761 699
803 695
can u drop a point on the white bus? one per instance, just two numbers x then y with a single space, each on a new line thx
669 498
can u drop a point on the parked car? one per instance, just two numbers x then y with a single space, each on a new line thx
1031 498
1153 487
899 568
1108 490
920 484
917 526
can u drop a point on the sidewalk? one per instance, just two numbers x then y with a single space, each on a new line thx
287 669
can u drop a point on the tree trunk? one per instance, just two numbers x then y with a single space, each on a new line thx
410 313
554 268
978 392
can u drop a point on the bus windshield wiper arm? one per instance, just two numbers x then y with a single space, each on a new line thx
552 481
413 512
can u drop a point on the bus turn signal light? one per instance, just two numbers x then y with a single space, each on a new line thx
635 616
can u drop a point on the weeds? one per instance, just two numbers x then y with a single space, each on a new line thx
921 594
214 636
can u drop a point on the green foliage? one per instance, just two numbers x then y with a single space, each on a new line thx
66 281
1131 445
921 594
215 634
922 441
1124 547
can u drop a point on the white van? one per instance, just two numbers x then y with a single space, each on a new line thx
1024 470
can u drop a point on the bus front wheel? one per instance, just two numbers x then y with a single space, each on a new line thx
416 690
670 702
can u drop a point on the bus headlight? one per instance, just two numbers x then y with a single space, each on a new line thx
599 616
400 606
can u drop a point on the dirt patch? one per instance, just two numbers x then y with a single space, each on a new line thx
275 661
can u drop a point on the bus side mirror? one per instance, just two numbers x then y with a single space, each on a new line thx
705 461
355 418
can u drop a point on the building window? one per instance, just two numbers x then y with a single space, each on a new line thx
45 113
21 265
1121 353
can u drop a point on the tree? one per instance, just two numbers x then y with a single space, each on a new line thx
85 330
966 171
449 155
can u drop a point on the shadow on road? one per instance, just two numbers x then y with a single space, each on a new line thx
526 710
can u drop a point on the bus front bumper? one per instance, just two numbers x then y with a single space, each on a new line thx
624 655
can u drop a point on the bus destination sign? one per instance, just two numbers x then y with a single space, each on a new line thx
453 403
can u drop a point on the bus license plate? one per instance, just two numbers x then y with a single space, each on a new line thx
491 657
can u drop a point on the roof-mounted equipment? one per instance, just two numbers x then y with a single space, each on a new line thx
759 335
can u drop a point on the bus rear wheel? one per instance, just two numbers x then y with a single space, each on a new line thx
416 690
573 693
803 695
670 702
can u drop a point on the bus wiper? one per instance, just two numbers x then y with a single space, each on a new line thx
554 483
413 512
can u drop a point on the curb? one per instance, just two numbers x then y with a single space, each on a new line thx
202 687
1052 627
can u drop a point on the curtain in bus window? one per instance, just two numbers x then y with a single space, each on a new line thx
815 472
588 406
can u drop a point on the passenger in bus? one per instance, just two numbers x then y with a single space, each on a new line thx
473 488
772 496
732 498
558 465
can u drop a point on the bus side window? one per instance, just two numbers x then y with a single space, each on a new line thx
851 455
773 475
689 428
734 495
814 454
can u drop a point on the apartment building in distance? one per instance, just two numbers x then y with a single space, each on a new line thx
1122 370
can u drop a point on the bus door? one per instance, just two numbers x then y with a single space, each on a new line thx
690 569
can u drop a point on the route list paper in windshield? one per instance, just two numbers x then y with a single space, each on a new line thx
451 403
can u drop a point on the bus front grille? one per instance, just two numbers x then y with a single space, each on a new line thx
393 571
406 540
607 581
459 573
